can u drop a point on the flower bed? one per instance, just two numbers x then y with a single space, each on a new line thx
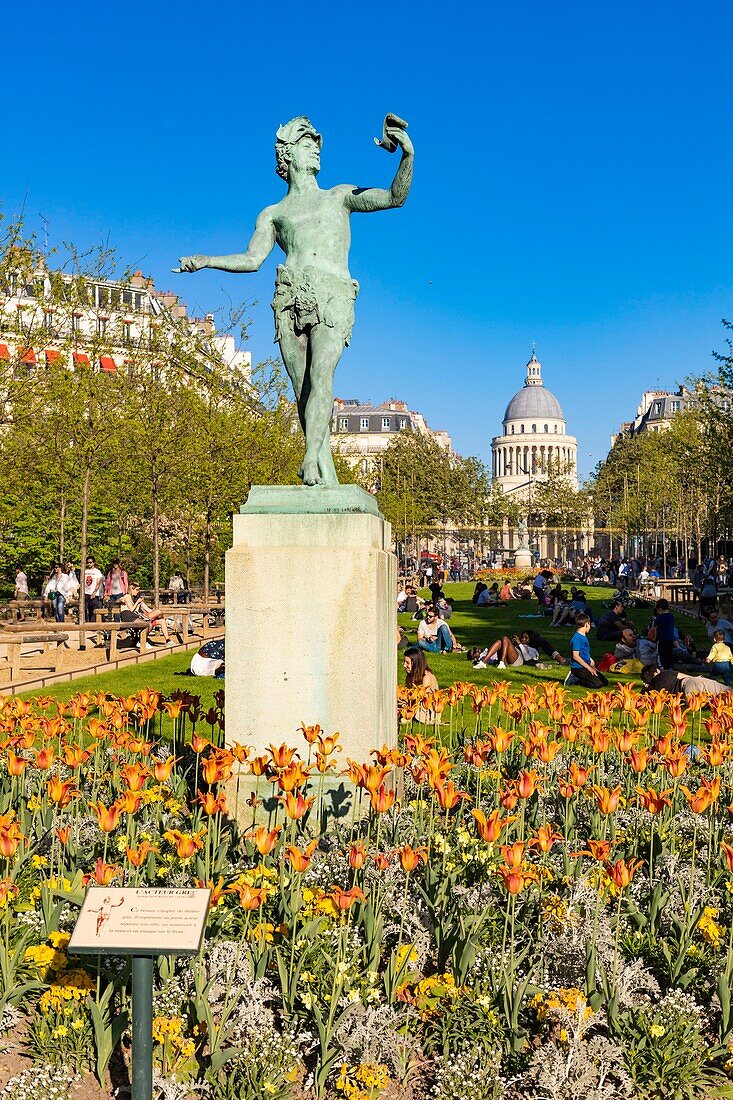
532 897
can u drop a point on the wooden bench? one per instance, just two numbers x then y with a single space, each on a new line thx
180 615
141 626
15 639
32 609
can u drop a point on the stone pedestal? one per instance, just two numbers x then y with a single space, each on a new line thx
311 629
522 560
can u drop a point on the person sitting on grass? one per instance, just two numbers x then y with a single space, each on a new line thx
489 597
434 634
626 647
510 654
209 660
612 623
132 606
582 665
534 639
676 683
563 610
480 587
418 672
505 593
720 657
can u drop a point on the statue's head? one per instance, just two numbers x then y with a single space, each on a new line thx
300 141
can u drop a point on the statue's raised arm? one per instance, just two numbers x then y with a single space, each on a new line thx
364 200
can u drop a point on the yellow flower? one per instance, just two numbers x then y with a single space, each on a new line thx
60 939
39 861
656 1031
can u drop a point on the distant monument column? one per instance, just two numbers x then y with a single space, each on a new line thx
523 554
311 618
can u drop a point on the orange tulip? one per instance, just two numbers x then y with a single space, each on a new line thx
714 755
344 899
527 783
654 801
703 798
382 799
607 800
410 857
621 873
198 744
103 874
263 840
677 763
727 850
357 856
296 806
107 818
513 854
597 849
500 739
300 860
490 829
250 897
63 834
258 765
327 746
45 758
282 755
514 880
638 759
545 838
10 835
381 861
508 797
162 769
61 793
134 776
186 844
211 805
311 733
130 802
294 775
448 795
137 856
218 890
75 756
16 764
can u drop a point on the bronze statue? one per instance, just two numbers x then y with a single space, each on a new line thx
314 292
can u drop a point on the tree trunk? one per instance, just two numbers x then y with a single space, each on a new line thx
156 548
62 523
83 549
207 554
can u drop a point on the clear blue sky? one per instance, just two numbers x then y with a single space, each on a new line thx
572 183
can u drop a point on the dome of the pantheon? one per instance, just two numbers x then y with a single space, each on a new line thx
534 401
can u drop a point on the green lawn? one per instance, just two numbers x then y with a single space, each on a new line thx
158 674
482 625
472 626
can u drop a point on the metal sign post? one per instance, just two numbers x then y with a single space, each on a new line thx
143 923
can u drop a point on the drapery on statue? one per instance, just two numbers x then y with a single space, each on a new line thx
314 292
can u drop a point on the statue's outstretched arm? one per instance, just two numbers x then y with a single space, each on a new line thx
258 249
363 200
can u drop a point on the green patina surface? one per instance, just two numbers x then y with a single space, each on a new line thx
308 501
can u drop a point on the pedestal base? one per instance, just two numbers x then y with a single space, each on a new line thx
311 619
523 559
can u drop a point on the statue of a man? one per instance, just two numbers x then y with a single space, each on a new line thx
314 292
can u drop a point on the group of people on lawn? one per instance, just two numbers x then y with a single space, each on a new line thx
653 653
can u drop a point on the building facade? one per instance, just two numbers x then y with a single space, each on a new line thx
655 411
362 432
534 441
47 315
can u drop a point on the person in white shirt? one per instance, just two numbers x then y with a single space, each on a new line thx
93 588
57 590
434 635
21 584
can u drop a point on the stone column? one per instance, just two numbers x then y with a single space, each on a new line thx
311 631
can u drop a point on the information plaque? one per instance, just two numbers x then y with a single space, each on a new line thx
140 921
